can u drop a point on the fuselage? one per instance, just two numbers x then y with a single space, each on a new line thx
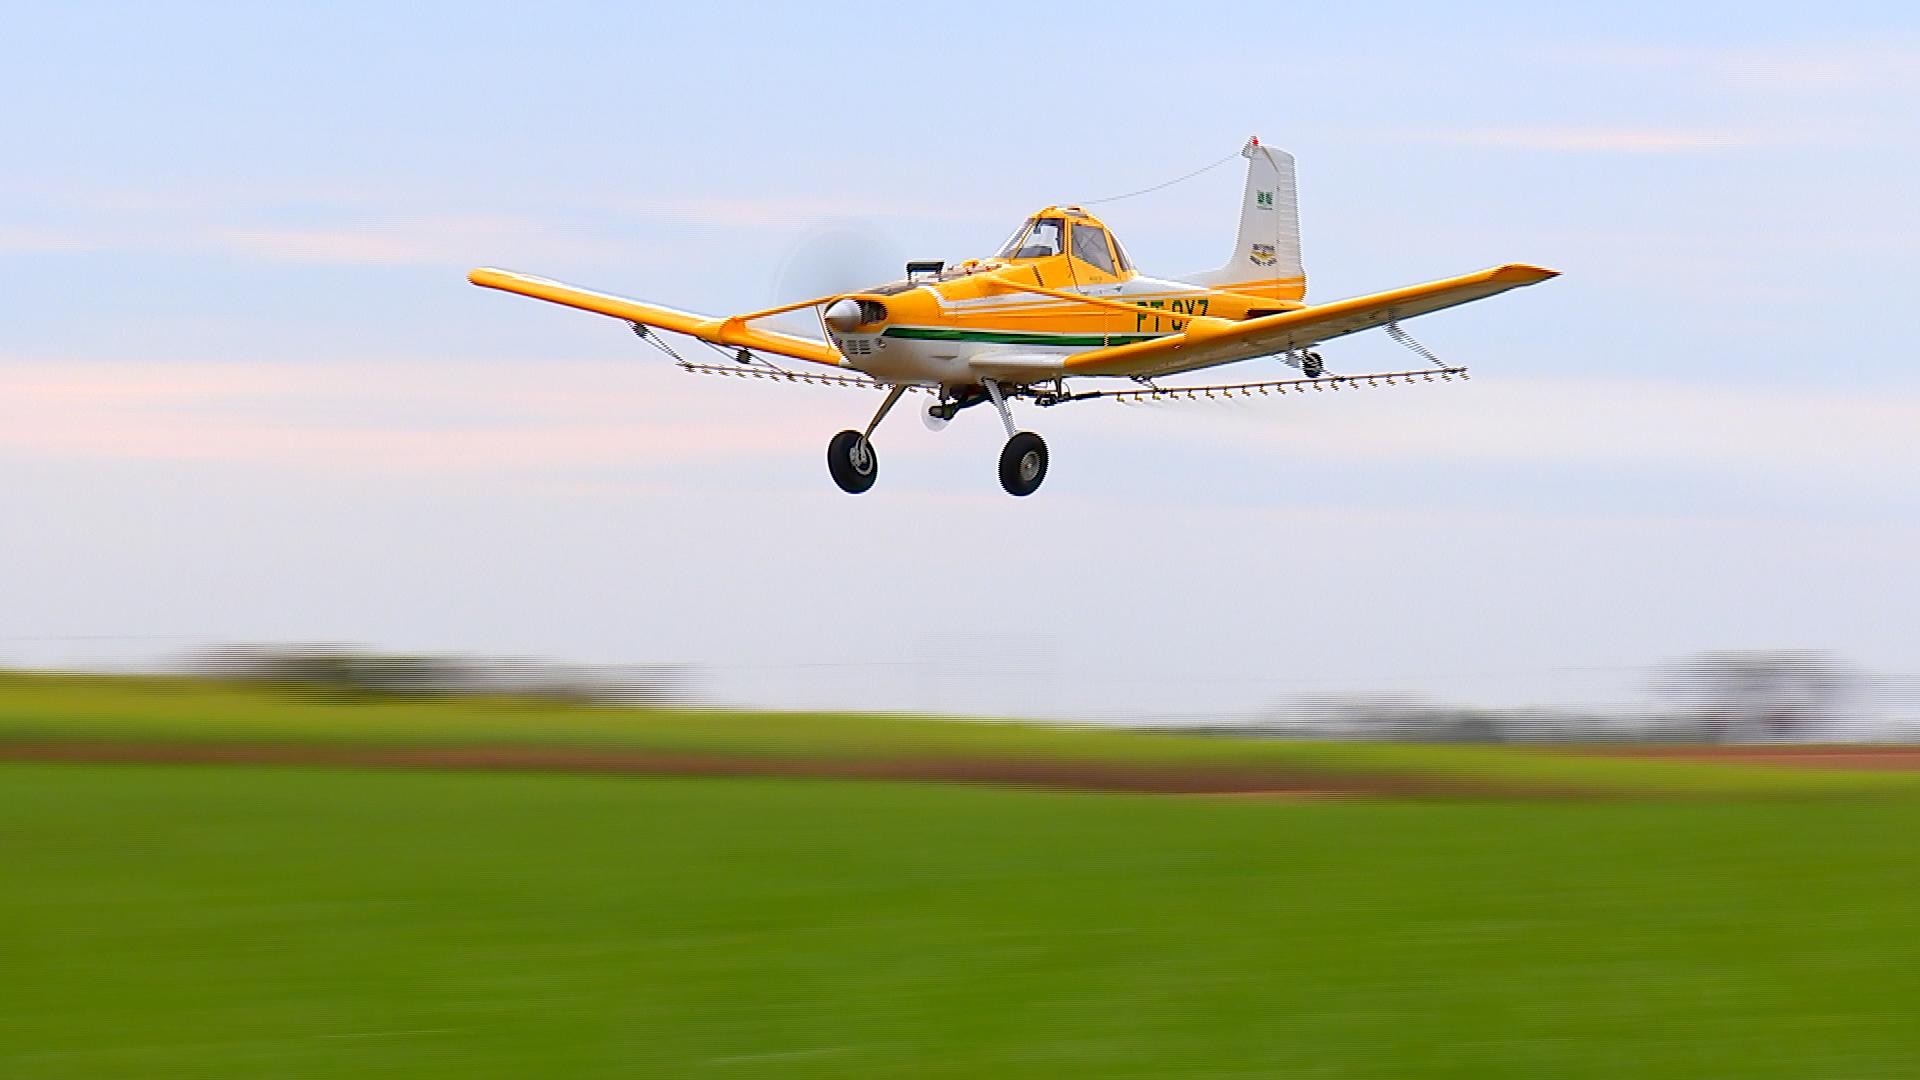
930 328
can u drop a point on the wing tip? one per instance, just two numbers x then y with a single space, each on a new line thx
1523 274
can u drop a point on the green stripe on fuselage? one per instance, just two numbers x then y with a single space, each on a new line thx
1011 337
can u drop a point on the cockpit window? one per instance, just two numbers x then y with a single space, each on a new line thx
1090 246
1040 238
1013 242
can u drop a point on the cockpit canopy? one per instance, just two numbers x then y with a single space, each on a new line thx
1057 231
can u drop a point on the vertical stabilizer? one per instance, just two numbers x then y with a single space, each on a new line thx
1266 251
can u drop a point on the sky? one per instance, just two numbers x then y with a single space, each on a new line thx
246 394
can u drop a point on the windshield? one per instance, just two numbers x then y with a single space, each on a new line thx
1013 242
1037 238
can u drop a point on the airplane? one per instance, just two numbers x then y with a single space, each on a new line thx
1060 300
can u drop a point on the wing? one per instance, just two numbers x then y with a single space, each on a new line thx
1213 341
732 330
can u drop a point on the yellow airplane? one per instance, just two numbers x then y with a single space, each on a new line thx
1059 301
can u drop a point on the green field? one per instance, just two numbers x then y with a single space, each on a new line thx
308 922
239 921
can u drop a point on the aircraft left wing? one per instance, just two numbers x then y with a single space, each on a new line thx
731 330
1207 342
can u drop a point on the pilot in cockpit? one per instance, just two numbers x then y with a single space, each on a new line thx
1036 239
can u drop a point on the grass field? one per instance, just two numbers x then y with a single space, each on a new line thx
308 922
1749 921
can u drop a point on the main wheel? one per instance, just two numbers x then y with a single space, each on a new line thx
1023 464
1312 366
851 460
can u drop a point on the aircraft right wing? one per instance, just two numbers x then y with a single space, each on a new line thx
731 331
1207 342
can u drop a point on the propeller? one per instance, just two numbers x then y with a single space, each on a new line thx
831 259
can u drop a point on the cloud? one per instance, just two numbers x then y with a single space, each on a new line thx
41 240
371 244
365 234
426 240
787 211
433 417
1599 140
558 417
1836 96
1795 68
423 241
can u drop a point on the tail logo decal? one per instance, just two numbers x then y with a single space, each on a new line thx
1263 255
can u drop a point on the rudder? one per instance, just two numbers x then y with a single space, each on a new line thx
1266 250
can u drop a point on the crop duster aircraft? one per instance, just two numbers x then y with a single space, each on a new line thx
1059 303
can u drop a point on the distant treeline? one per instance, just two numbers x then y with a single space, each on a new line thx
1739 696
348 672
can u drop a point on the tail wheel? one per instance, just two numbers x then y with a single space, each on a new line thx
1023 463
851 460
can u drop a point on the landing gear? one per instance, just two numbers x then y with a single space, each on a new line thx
1023 463
850 456
851 460
1311 365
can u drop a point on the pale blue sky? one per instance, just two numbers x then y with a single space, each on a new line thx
246 394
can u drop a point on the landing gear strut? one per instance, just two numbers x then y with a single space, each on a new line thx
850 456
1023 461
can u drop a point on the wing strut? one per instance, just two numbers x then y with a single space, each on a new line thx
1404 338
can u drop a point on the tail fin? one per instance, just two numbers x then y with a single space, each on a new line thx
1266 253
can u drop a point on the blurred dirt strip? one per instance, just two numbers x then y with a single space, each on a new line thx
1066 775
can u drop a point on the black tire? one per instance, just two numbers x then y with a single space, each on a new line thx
1023 464
851 460
1312 366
